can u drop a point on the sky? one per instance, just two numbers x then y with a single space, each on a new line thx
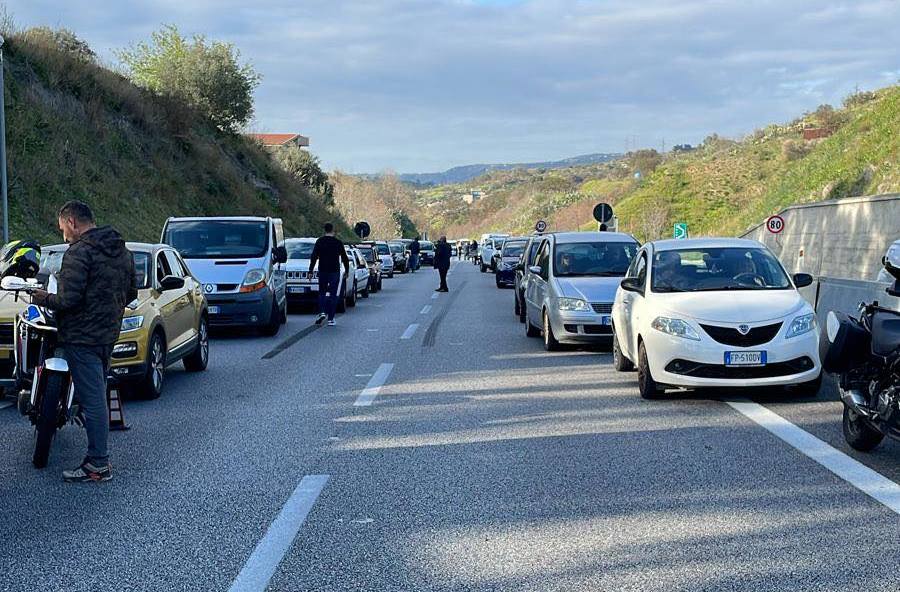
423 85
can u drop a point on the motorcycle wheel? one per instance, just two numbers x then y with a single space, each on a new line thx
858 433
48 420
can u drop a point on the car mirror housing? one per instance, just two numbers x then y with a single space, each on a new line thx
535 269
171 282
280 254
632 285
801 280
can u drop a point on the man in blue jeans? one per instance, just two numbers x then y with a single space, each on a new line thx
414 248
329 253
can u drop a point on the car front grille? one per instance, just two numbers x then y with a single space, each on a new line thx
602 307
301 275
731 336
698 370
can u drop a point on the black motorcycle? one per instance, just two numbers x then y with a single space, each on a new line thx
864 353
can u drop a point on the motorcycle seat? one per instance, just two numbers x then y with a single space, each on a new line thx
885 332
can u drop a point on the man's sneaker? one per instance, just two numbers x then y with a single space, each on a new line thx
332 323
321 318
88 472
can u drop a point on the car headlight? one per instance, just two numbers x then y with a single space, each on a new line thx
254 280
676 327
574 304
132 323
802 324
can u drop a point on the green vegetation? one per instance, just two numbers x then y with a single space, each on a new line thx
78 130
721 187
384 202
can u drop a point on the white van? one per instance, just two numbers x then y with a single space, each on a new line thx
240 262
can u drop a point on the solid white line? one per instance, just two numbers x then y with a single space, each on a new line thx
261 566
372 389
425 309
410 331
849 469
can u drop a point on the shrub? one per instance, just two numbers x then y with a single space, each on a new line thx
859 97
305 167
63 40
795 149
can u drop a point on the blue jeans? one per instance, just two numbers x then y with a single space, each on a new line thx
89 365
414 261
329 282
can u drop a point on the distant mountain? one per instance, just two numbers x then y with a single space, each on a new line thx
463 173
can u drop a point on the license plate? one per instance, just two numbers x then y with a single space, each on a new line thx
745 358
213 310
297 289
605 320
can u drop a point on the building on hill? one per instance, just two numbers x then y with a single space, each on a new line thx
278 141
472 196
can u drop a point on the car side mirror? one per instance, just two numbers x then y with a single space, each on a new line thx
535 269
632 284
279 254
801 280
171 282
520 267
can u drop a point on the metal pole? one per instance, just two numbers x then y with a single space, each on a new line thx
3 150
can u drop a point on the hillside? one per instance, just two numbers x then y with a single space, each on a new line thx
78 130
721 187
464 173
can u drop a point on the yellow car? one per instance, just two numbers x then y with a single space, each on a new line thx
167 324
9 308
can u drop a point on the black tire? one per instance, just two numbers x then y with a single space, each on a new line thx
199 358
274 325
531 330
620 362
858 433
483 268
521 301
517 308
351 302
648 387
391 275
365 292
380 280
150 385
550 342
48 418
497 281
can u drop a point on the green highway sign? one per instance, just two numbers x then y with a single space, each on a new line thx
681 230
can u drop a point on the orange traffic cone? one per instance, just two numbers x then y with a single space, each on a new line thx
116 411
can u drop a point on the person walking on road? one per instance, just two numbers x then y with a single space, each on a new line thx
94 284
414 249
329 253
442 255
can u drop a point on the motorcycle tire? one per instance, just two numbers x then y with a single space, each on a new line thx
48 419
858 433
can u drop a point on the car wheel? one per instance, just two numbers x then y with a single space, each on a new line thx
648 387
620 362
199 358
550 342
483 268
365 292
271 328
517 307
521 301
379 284
151 384
351 301
531 330
858 433
391 275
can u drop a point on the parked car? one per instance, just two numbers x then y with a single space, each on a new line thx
426 253
714 313
240 262
569 296
507 259
168 323
522 273
387 258
489 245
360 271
373 261
401 256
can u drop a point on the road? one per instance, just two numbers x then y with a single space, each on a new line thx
426 444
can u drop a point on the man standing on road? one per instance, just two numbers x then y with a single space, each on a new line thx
329 252
442 256
414 248
94 284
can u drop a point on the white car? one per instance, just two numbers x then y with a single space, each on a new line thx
489 245
714 313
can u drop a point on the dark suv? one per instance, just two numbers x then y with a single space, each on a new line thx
525 262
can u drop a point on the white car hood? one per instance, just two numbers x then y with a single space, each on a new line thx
296 265
738 306
591 289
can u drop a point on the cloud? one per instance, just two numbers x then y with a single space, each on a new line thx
420 85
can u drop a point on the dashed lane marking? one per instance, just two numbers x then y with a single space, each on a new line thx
410 331
374 385
435 295
425 309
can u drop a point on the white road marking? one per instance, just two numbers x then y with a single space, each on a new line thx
261 566
372 389
6 405
434 296
849 469
425 309
363 375
410 331
373 330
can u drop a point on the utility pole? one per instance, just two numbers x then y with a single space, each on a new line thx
3 151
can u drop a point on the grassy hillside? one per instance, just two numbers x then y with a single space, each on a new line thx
78 130
722 187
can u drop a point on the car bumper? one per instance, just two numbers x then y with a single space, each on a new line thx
128 372
682 362
240 310
302 292
581 327
507 277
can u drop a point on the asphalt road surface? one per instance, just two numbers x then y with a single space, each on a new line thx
426 444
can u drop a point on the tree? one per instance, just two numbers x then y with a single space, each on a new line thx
205 74
305 167
62 39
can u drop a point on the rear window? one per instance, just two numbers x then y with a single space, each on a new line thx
383 249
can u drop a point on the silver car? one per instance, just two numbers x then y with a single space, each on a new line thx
572 284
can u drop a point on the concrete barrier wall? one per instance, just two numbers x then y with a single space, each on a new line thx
845 295
843 238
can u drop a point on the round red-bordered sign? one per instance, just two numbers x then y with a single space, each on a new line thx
775 224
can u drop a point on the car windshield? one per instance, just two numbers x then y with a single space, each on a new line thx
602 259
51 262
218 238
368 253
426 246
513 249
299 249
395 248
383 249
717 268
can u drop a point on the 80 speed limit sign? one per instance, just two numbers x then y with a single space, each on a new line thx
775 224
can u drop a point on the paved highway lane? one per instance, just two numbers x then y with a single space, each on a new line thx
461 457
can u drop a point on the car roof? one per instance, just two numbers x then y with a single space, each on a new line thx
591 236
131 246
704 243
517 238
226 218
301 239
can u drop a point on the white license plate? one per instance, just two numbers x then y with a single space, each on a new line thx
298 289
213 310
745 358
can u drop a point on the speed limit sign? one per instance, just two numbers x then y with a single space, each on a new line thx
775 224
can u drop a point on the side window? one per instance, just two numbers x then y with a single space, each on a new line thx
174 264
543 260
640 271
162 267
279 234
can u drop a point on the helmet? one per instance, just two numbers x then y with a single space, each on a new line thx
20 258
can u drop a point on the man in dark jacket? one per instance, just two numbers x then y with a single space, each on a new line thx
329 252
442 256
95 283
414 249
